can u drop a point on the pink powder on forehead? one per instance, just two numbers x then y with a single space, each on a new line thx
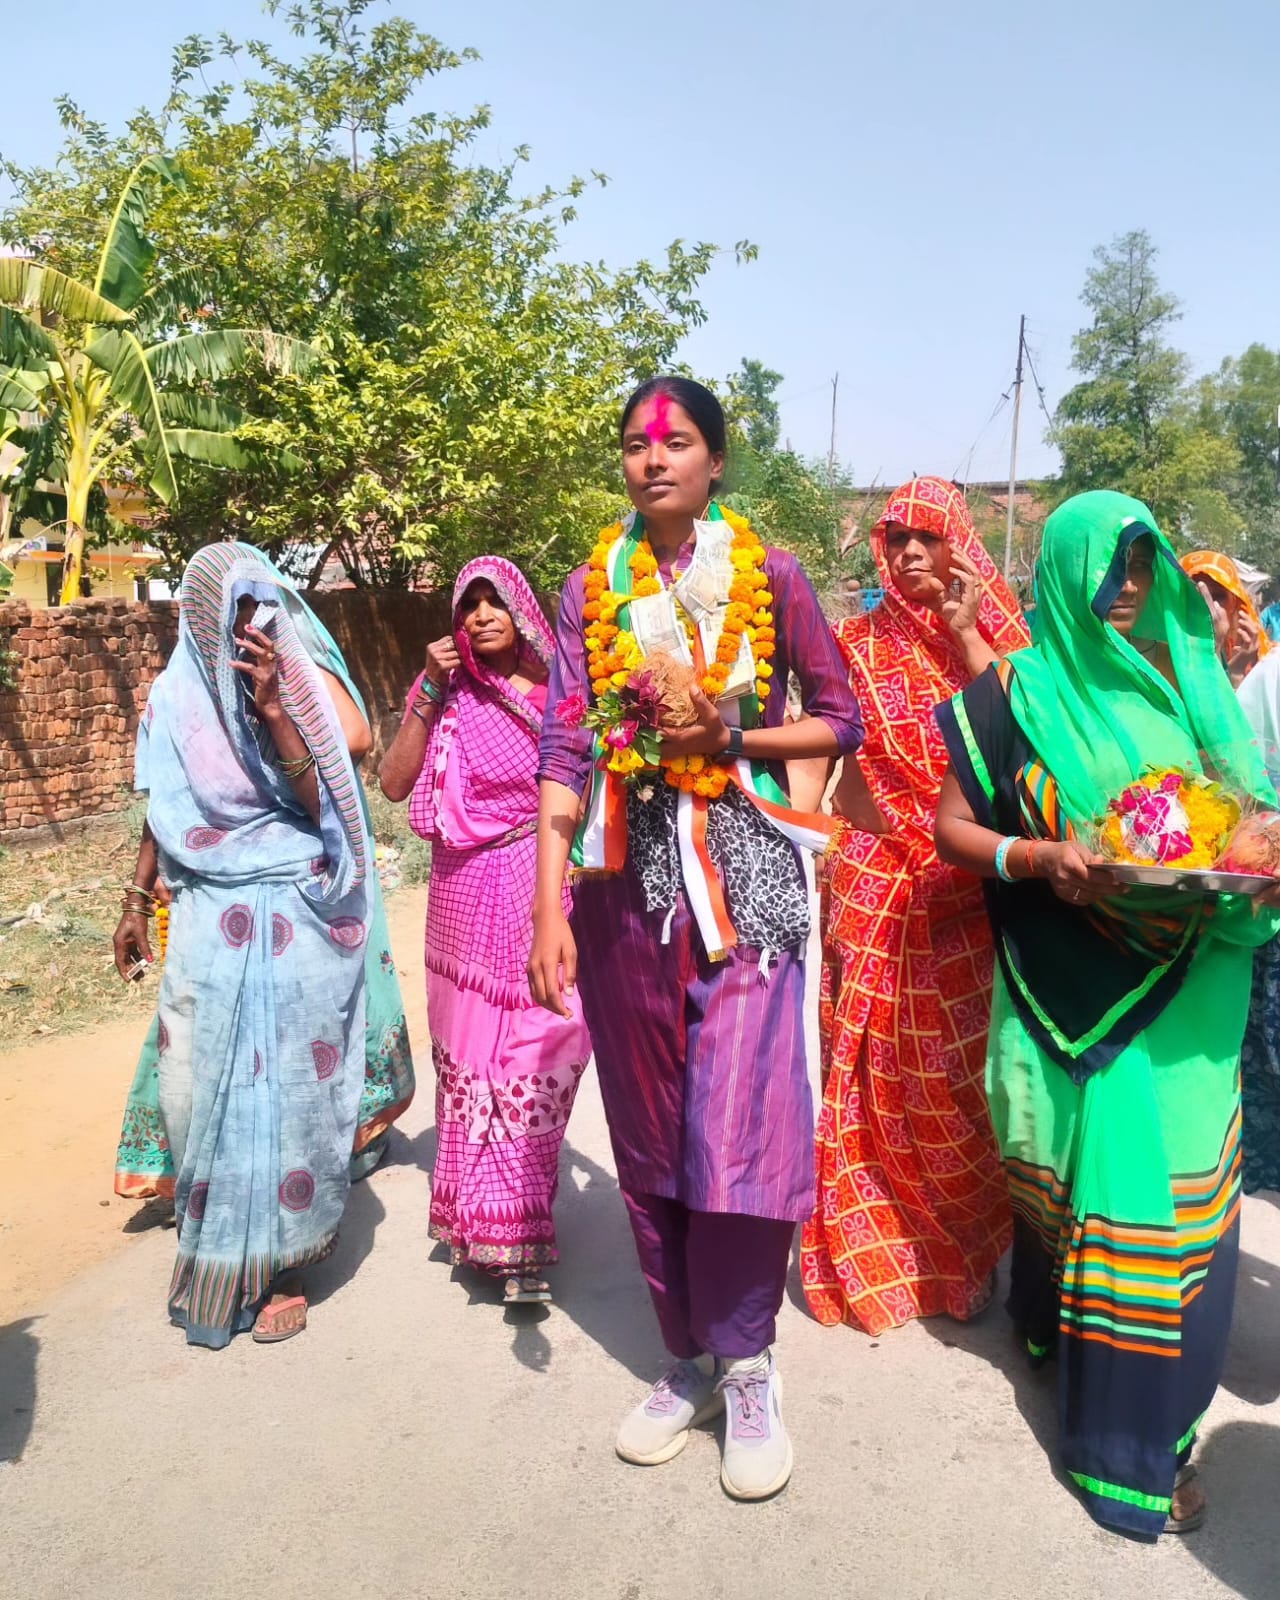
659 424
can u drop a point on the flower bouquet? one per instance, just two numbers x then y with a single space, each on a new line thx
1179 823
1168 818
630 718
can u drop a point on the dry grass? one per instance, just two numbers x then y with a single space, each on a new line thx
57 975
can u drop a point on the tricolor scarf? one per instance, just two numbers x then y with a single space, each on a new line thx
601 842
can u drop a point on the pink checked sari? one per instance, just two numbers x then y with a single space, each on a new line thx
506 1070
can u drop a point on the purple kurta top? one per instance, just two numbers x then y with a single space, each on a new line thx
701 1064
805 646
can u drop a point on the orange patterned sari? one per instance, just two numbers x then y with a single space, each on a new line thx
913 1209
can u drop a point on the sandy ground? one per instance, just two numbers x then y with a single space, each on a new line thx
422 1441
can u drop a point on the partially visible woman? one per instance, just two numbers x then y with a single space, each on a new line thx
1260 1058
1241 638
255 822
913 1208
1116 1019
507 1070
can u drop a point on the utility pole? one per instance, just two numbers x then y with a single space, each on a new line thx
1013 448
831 453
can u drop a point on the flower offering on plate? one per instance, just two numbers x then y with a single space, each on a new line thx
1168 818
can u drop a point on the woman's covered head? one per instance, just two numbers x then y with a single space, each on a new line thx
483 616
673 440
496 618
222 586
1103 557
912 540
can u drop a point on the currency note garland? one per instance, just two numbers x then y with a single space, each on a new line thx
626 713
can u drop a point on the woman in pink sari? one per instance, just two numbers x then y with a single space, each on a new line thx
506 1070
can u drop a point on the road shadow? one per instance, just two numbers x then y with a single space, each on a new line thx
1252 1368
598 1282
990 1337
420 1151
154 1213
360 1221
1240 1468
19 1349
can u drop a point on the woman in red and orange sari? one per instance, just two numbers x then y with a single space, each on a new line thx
913 1210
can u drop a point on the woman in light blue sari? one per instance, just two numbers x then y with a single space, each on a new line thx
256 821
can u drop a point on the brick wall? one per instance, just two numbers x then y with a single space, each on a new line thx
83 673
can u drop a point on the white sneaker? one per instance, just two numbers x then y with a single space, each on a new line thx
658 1428
757 1459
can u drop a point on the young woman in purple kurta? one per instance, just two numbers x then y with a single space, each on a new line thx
701 1060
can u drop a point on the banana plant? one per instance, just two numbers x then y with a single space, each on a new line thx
93 374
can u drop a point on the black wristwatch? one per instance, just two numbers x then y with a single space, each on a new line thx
734 747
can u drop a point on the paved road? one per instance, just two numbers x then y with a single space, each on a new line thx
421 1441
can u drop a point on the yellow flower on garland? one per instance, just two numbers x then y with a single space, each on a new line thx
625 762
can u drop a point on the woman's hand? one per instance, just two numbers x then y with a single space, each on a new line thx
708 736
1246 647
442 659
1065 867
1219 613
261 671
131 944
552 968
960 612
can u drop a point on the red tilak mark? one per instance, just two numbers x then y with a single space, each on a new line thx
658 425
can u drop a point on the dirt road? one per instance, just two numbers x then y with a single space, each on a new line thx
421 1442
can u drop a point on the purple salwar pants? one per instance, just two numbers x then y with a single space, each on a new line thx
716 1279
702 1073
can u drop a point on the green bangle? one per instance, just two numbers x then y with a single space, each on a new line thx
431 691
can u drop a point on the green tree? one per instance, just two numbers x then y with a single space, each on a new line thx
796 503
752 407
1131 423
472 371
93 377
1240 401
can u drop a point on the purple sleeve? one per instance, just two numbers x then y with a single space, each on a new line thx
565 753
807 647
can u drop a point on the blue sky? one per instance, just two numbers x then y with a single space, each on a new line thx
915 174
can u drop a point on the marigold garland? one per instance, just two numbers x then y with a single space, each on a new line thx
612 652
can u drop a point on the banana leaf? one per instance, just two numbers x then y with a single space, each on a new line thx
127 253
26 286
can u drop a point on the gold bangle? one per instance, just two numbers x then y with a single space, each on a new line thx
299 765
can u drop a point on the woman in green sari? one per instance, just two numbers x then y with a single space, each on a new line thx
1116 1021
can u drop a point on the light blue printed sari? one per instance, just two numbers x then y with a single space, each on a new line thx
260 1034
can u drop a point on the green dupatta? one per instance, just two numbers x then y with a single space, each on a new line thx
1097 713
